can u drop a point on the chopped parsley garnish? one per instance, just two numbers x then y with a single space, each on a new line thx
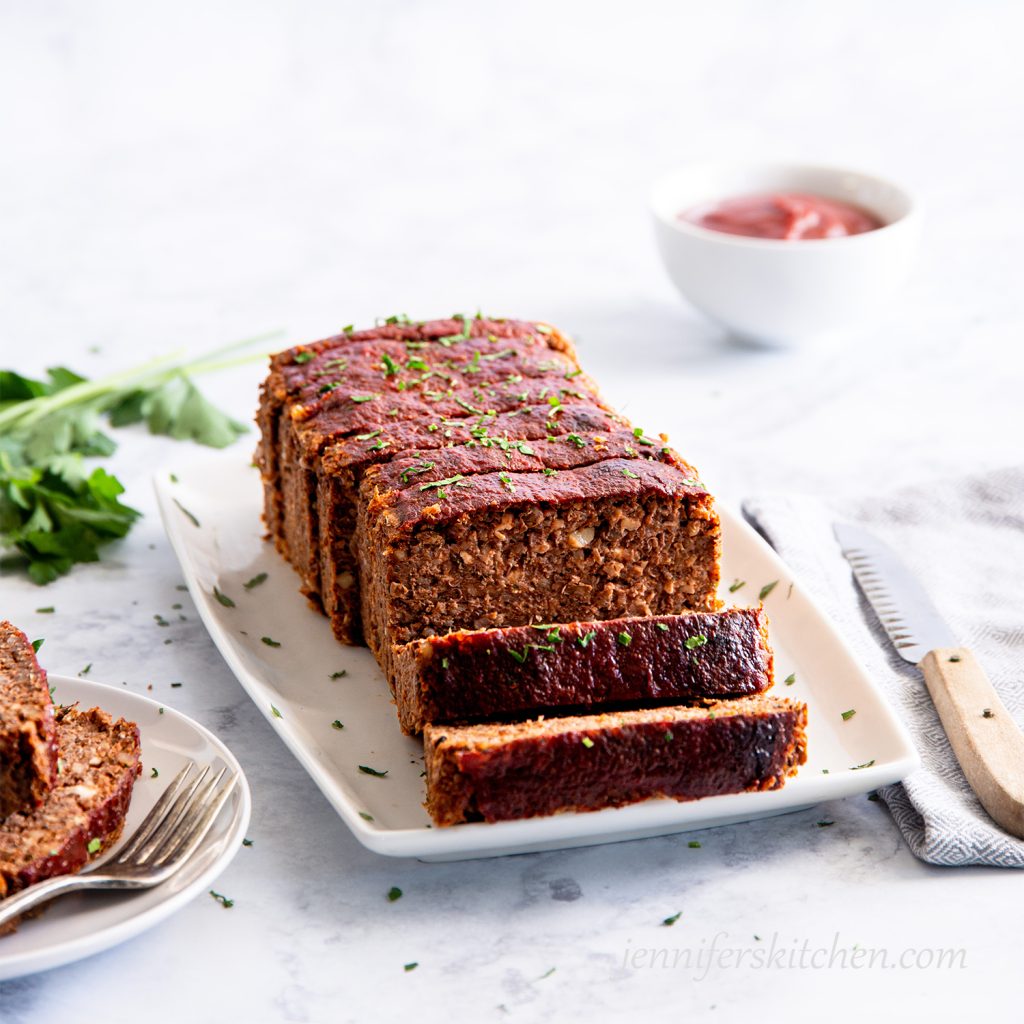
663 626
847 715
223 598
639 435
247 842
391 368
45 611
444 663
866 764
824 824
337 725
348 328
379 446
411 967
519 656
259 578
154 774
85 671
275 712
370 436
954 657
95 845
693 642
366 770
36 644
693 844
226 903
270 641
735 585
365 816
422 467
587 742
576 440
790 679
469 408
630 474
584 641
767 589
394 893
340 674
458 478
668 736
302 357
507 481
191 518
550 472
624 638
669 921
326 389
362 398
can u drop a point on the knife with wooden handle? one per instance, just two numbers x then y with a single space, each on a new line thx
985 739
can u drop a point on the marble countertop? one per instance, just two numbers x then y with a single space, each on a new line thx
187 175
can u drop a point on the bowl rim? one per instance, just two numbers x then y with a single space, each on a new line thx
683 227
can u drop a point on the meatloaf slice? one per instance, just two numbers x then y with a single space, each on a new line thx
85 812
585 763
343 463
560 668
28 733
622 537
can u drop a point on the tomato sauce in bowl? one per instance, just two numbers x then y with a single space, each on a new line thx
787 216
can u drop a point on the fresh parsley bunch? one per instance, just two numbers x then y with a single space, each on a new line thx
56 508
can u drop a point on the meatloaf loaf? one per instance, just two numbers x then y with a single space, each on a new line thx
28 732
505 672
543 766
616 538
85 812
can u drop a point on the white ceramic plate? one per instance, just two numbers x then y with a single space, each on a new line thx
296 687
77 926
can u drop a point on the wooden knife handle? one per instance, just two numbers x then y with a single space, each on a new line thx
985 739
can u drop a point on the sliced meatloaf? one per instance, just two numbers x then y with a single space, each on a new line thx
28 732
561 668
312 379
85 812
344 462
621 537
589 762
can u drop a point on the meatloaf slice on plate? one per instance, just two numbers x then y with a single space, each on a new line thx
85 812
529 669
343 463
589 762
621 537
28 732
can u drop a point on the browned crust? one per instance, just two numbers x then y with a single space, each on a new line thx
585 763
509 672
28 732
89 802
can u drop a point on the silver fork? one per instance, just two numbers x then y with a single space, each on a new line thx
165 840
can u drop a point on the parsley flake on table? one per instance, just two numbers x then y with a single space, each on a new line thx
340 674
270 641
223 598
394 893
767 589
154 773
790 679
669 921
847 715
693 844
223 900
367 770
259 578
336 724
275 712
735 585
411 966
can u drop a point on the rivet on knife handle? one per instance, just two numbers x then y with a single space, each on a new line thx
985 739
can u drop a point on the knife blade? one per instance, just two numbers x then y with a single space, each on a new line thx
983 735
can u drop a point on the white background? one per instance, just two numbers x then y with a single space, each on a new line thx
176 174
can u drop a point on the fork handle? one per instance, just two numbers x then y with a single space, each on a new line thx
20 903
983 735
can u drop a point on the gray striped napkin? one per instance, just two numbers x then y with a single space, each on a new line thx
964 539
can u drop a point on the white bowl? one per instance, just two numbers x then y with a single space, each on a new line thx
771 291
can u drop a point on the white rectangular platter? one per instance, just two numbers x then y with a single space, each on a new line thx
211 510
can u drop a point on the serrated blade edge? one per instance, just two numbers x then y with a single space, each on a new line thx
906 613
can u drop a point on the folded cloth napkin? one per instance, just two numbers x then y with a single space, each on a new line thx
964 539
